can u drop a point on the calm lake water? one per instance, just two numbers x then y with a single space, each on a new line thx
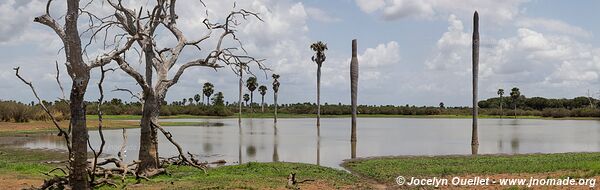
295 140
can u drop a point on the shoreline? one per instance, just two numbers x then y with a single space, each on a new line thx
291 116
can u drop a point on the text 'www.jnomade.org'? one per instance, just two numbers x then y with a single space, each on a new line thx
481 181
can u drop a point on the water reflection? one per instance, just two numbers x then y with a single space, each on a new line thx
275 142
292 139
318 150
353 147
240 142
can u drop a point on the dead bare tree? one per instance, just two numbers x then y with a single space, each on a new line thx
160 61
79 71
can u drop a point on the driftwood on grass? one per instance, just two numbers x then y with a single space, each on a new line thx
292 182
182 159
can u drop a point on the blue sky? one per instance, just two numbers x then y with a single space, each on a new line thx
410 52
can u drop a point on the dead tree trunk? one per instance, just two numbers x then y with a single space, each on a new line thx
475 139
162 60
79 71
148 154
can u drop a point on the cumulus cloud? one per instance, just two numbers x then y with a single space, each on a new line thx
370 6
530 57
398 9
375 65
451 47
16 16
553 25
320 15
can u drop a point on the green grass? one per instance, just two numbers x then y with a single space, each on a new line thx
30 164
386 169
249 176
25 162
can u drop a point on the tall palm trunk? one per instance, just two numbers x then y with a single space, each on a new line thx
251 101
275 152
262 104
275 102
319 98
240 96
354 88
208 100
501 112
475 139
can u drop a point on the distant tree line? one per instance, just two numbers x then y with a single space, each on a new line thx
12 111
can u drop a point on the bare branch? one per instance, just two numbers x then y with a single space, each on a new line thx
133 95
100 125
182 156
50 22
199 62
106 58
62 90
129 70
54 121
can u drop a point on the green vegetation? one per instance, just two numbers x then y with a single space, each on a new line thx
251 176
534 107
30 164
386 169
25 162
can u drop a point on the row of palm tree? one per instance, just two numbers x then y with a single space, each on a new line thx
207 90
514 95
251 84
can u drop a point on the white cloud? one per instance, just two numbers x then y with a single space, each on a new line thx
370 6
553 26
397 9
451 47
530 58
16 16
375 67
320 15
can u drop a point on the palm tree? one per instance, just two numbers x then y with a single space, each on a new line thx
354 90
251 84
184 101
208 89
197 98
262 89
246 98
191 101
514 95
501 93
474 135
319 57
275 90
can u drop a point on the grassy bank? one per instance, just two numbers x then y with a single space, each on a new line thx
386 169
251 176
22 168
